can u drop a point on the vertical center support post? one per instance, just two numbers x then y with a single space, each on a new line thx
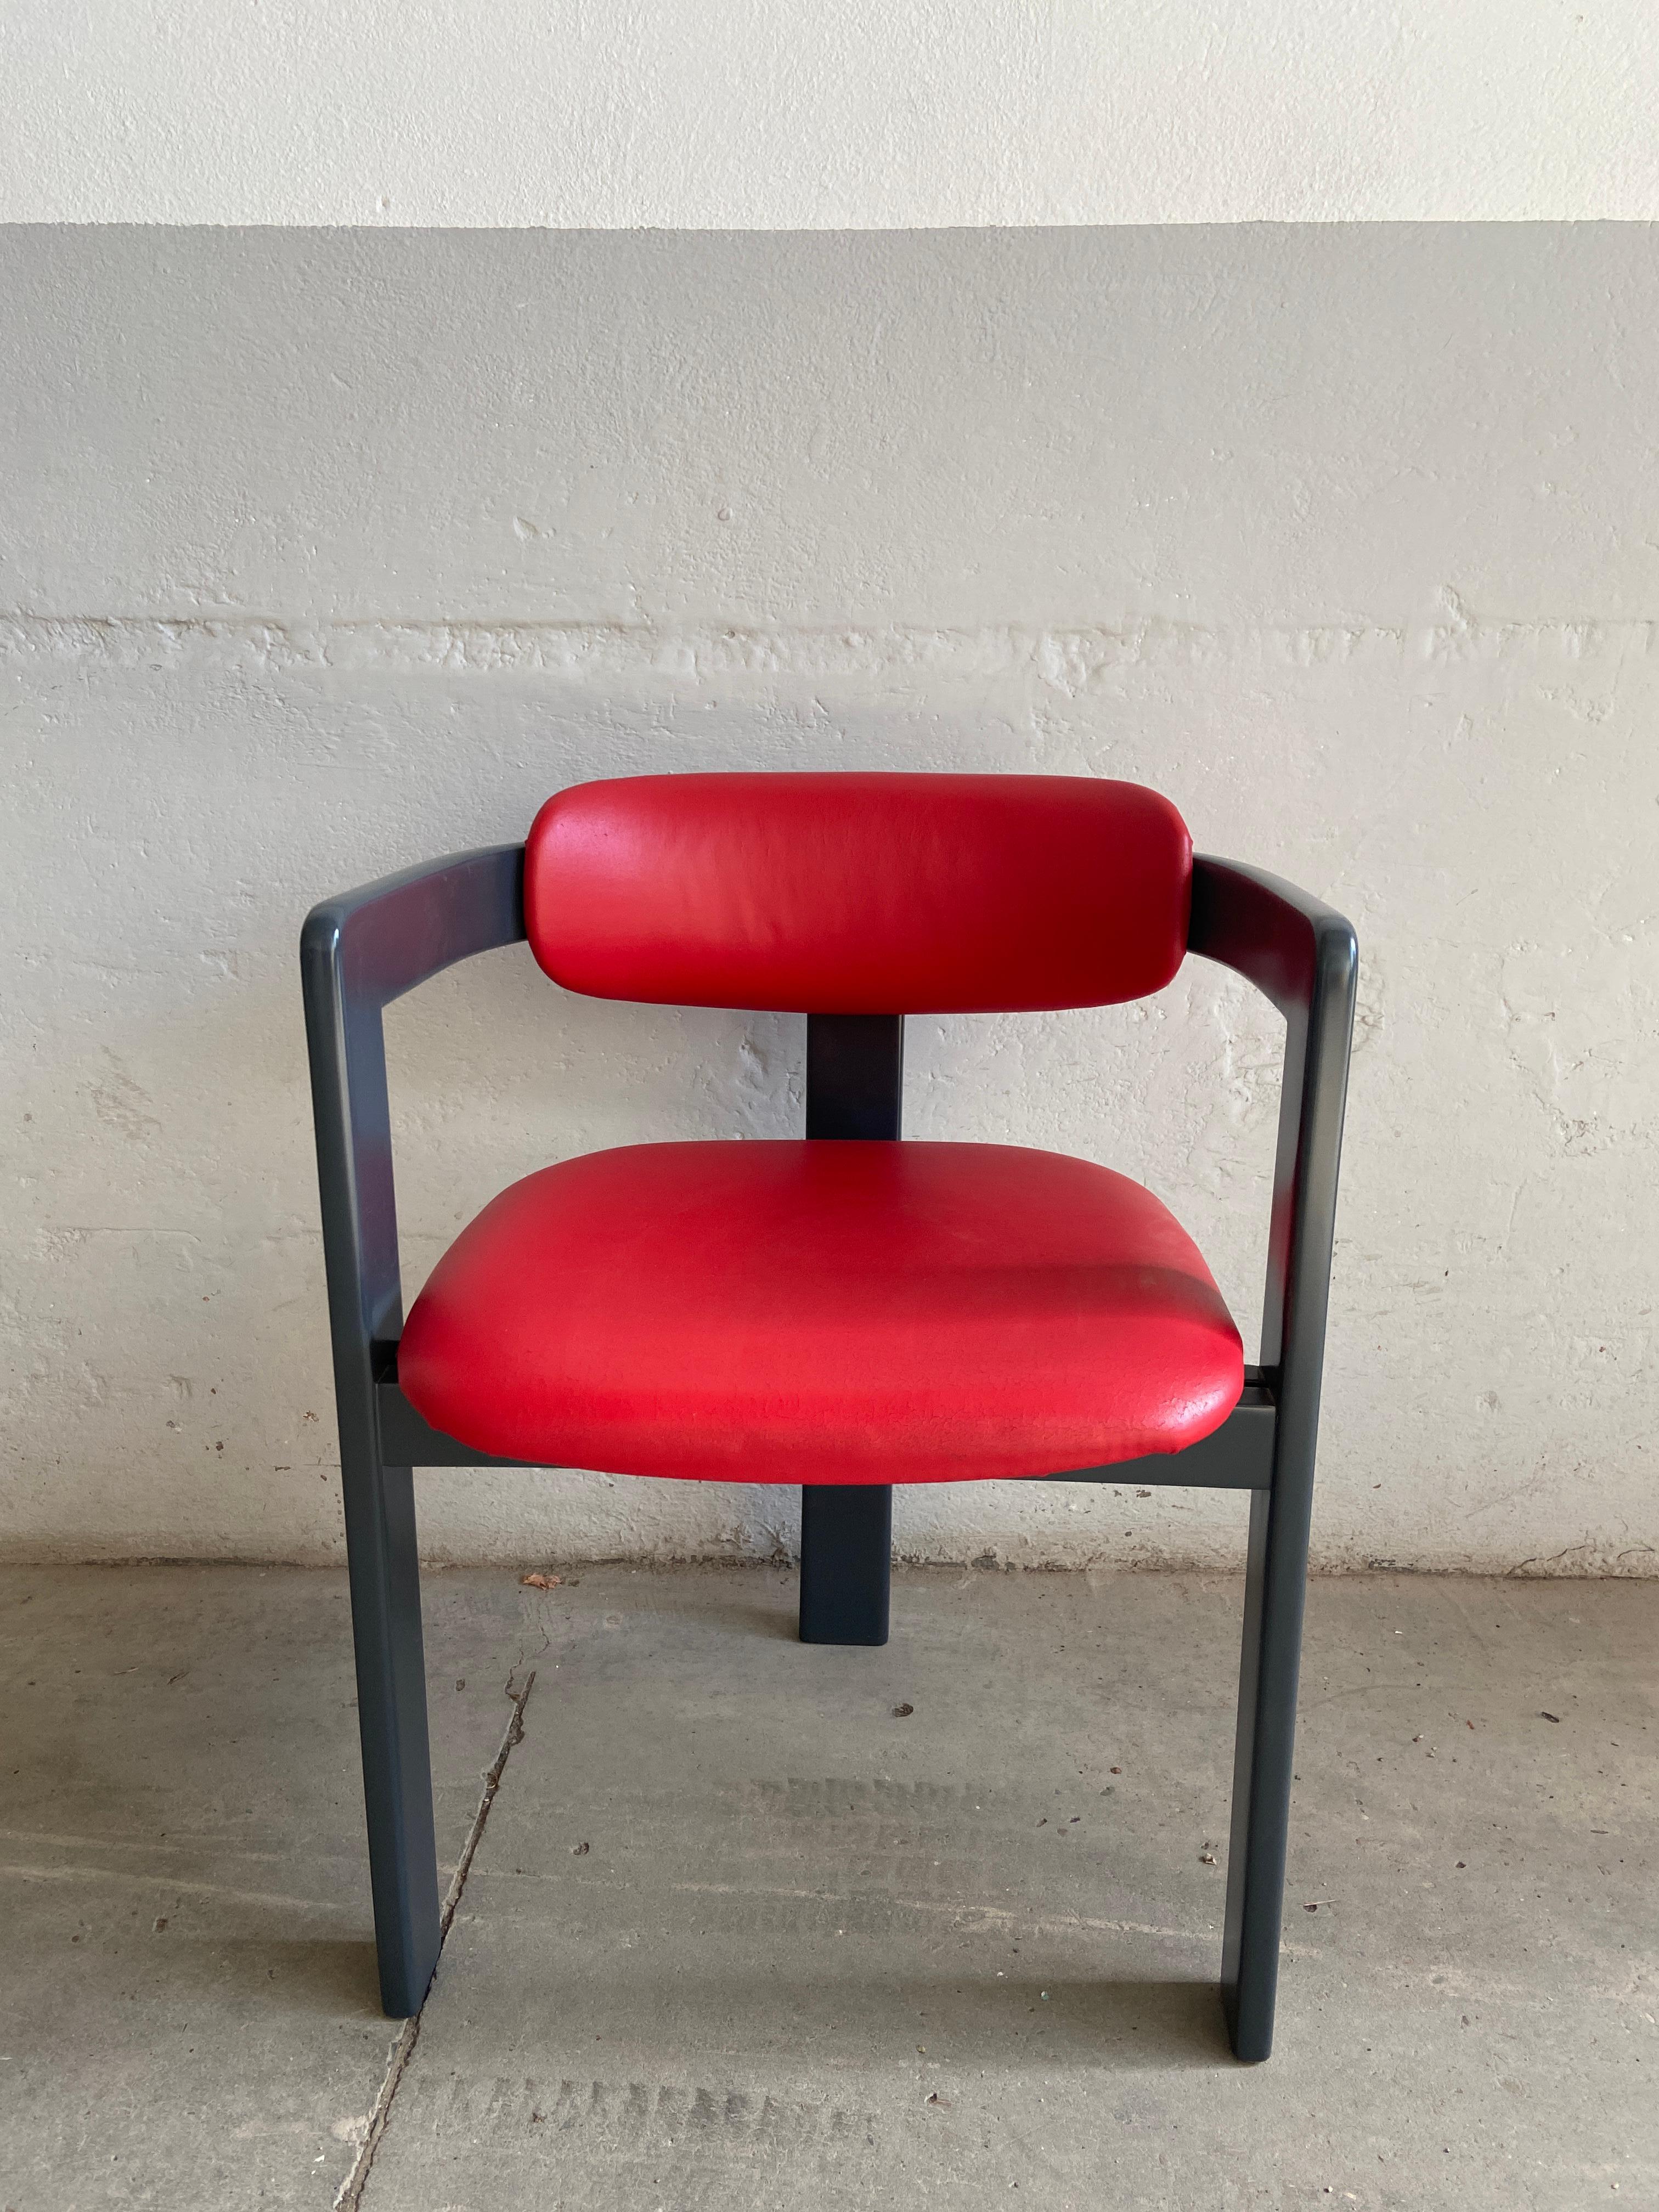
855 1085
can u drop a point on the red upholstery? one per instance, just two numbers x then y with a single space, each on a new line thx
822 1312
859 894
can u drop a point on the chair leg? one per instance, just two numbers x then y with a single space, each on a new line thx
845 1561
386 1626
1262 1762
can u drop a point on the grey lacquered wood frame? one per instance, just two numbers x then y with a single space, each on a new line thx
361 950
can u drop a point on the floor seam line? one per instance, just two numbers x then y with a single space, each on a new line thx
350 2193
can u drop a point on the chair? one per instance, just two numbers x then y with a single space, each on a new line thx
843 1311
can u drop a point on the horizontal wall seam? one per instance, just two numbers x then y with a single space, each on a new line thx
1066 659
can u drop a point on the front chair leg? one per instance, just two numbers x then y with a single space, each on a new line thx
385 1627
1262 1761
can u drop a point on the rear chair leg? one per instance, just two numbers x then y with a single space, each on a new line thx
386 1626
845 1561
1262 1761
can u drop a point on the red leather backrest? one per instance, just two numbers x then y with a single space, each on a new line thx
859 894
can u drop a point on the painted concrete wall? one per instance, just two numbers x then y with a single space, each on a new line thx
868 114
324 552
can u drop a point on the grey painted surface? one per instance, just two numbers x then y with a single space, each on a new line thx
324 552
800 1918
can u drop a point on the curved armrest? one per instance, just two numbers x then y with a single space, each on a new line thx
1291 945
1304 956
357 953
387 937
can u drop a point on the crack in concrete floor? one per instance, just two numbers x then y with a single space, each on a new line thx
350 2193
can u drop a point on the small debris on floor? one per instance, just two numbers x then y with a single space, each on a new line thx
903 1712
578 1850
541 1582
1206 1858
934 2098
1556 1717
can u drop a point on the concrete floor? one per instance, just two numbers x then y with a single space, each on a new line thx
739 1934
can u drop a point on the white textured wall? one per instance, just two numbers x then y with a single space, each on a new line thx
324 552
868 114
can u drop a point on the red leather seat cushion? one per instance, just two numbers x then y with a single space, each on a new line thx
823 1311
858 893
